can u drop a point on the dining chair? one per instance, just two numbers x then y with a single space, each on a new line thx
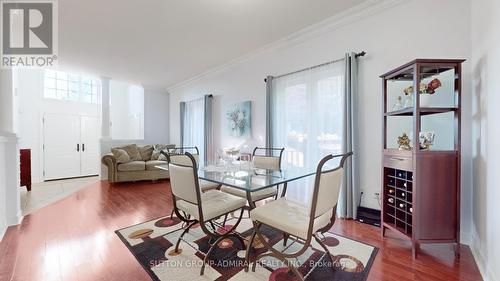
298 220
195 207
268 162
204 185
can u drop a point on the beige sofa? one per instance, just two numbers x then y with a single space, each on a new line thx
134 170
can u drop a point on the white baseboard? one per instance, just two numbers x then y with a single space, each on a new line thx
3 229
15 220
9 221
481 261
465 238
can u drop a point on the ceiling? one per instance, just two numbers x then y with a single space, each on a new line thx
164 42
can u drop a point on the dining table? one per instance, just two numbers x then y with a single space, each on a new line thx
241 175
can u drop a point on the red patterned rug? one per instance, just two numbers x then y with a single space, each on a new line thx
152 244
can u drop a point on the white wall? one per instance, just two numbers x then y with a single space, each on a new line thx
156 115
10 211
391 36
486 135
127 110
31 109
7 101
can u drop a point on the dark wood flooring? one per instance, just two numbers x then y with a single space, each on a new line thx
74 239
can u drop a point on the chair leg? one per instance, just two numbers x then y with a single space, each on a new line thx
225 219
214 245
219 237
285 238
213 226
249 247
326 250
242 241
176 250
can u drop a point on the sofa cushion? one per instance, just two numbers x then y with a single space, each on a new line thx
158 148
151 165
133 152
146 152
132 166
120 155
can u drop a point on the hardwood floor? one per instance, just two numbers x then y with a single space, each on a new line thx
74 239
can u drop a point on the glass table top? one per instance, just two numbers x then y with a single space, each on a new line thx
245 178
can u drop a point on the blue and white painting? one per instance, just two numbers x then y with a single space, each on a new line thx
239 119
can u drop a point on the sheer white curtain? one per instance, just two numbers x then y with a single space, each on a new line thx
193 131
307 119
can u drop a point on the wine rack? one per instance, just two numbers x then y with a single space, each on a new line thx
421 185
398 200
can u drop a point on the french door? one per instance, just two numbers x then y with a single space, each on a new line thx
70 145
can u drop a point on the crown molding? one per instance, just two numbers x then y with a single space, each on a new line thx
153 88
365 9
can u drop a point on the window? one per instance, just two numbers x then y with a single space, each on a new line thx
193 131
308 115
307 118
70 87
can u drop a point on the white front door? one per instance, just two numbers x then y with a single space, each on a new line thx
61 146
90 134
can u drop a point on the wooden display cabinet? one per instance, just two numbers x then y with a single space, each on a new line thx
421 188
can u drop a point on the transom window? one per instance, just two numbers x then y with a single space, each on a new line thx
66 86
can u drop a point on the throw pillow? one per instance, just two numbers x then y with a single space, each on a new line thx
133 152
158 148
120 155
146 152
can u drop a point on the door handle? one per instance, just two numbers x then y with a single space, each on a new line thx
77 147
83 147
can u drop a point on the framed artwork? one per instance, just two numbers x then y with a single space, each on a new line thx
239 119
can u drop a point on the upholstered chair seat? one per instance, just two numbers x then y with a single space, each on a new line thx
214 203
256 195
289 216
208 185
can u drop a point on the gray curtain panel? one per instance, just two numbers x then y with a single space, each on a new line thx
209 139
349 194
182 115
269 110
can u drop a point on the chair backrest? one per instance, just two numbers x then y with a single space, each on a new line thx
181 158
182 149
183 178
327 186
267 161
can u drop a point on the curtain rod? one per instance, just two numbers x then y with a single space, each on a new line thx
357 55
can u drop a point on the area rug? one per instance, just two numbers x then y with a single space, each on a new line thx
153 242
